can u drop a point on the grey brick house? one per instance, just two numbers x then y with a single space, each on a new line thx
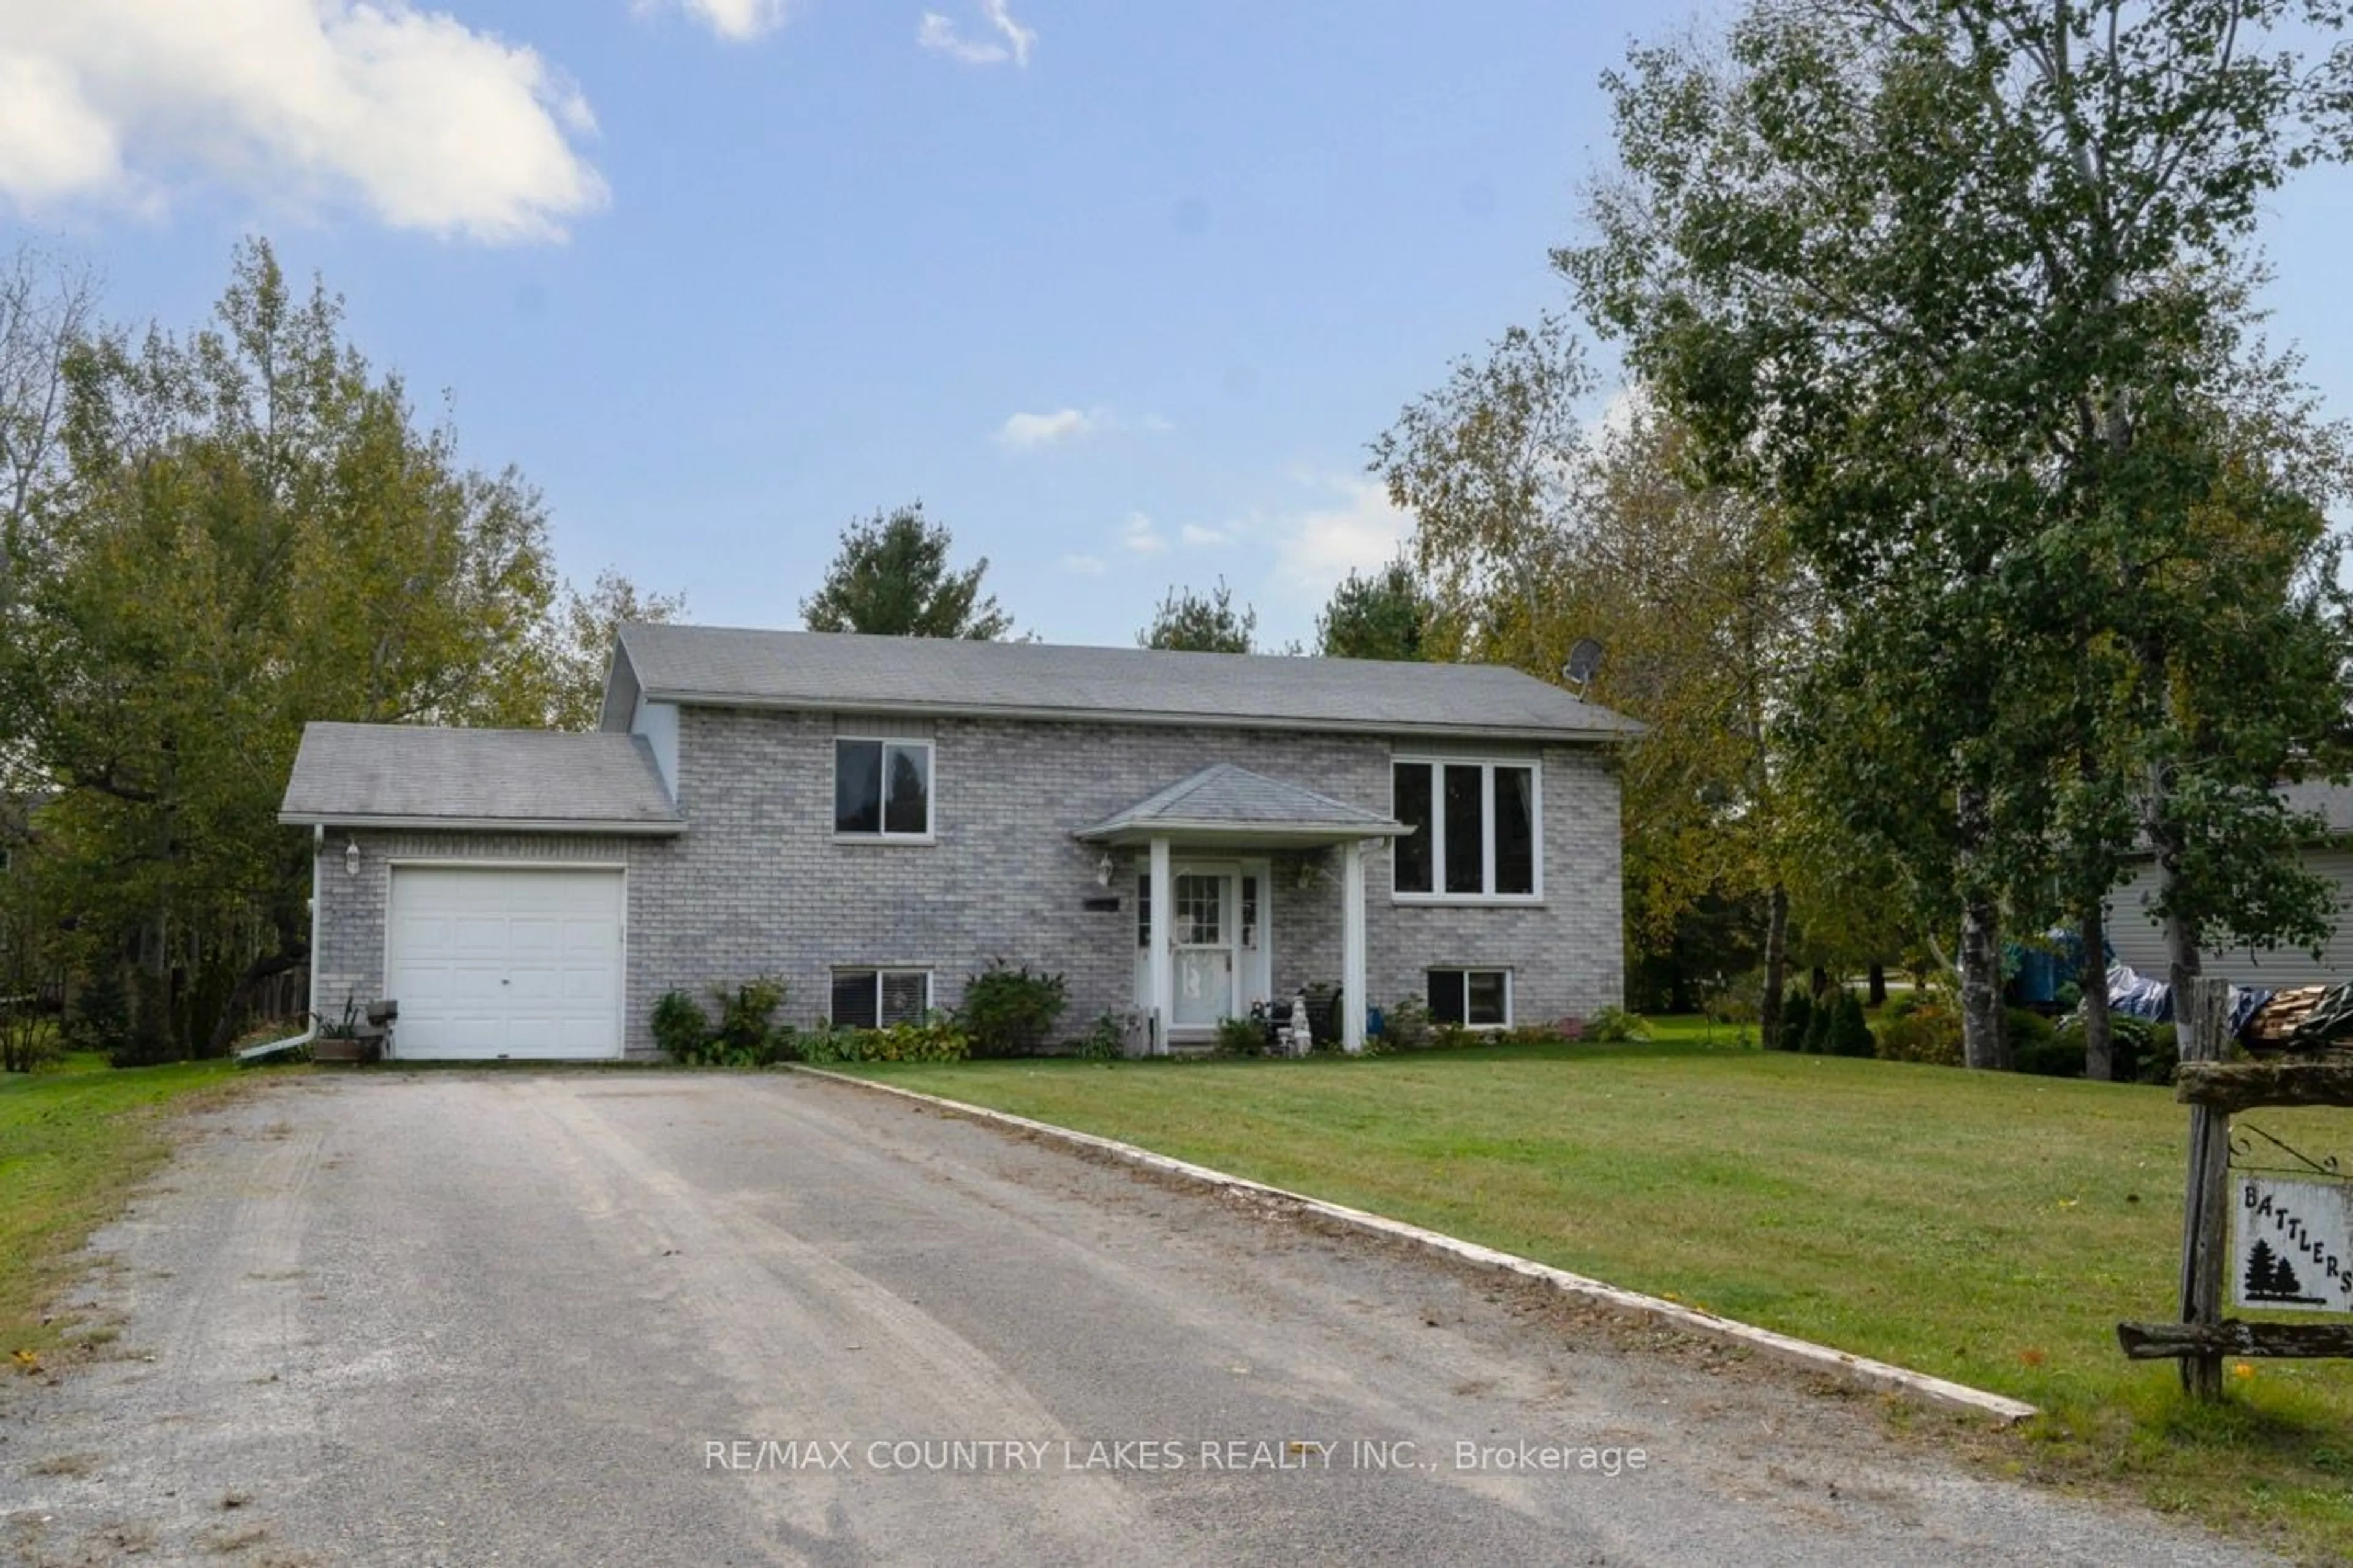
873 819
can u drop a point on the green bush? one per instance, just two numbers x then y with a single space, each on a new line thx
1797 1020
1405 1024
1105 1039
1929 1031
938 1039
1846 1033
1240 1037
748 1034
2037 1046
681 1028
1611 1026
1008 1012
2139 1051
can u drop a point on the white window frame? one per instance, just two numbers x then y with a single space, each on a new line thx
878 970
1436 829
1466 971
883 833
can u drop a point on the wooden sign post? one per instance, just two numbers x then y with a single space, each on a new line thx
2214 1089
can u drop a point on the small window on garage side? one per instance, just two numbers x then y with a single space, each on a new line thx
882 789
879 998
1476 998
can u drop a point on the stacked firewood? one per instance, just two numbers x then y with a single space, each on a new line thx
2304 1020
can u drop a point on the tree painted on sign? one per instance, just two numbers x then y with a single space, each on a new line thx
2269 1277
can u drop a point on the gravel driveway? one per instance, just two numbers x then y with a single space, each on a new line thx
647 1318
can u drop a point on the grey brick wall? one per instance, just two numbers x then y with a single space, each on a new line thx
760 885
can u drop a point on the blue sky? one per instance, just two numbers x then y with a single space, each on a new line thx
1119 292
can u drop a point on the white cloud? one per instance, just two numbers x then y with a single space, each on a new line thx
1023 432
1361 532
418 118
1193 534
1084 565
939 35
1139 535
737 21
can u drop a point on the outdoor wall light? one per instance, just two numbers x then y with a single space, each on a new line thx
1102 872
352 857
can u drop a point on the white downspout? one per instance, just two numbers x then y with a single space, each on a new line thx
317 847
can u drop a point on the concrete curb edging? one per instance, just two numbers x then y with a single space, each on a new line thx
1804 1352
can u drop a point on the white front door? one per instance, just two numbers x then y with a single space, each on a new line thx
1204 927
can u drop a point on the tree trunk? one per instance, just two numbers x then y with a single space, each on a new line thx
1878 981
225 1028
2099 1051
1777 965
1981 1033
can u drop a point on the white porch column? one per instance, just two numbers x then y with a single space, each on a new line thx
1163 972
1352 945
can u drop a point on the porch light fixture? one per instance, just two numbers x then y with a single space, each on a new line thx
351 857
1102 872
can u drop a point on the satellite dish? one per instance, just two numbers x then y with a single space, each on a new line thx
1584 660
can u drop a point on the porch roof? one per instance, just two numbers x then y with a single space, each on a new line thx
1228 805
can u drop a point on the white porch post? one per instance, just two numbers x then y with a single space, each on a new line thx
1352 945
1164 973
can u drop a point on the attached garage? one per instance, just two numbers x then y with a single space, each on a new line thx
482 880
491 962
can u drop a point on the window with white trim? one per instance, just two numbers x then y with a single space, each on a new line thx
878 998
1473 829
1477 998
882 789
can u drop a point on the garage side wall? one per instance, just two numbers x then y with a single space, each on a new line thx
351 909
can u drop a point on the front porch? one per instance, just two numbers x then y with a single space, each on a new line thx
1207 855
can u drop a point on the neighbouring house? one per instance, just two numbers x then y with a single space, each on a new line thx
874 819
2137 938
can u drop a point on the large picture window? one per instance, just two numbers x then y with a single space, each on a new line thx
1474 829
1477 998
882 789
878 998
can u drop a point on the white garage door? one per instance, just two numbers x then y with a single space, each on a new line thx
490 962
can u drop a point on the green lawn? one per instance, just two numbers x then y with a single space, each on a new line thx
74 1142
1989 1229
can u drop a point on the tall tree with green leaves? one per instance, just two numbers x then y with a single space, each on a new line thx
1189 621
1953 285
249 532
891 578
581 631
1542 532
1380 614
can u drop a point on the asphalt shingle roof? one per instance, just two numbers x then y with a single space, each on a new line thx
355 775
841 670
1224 795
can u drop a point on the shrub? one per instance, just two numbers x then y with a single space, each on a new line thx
1240 1037
2139 1051
936 1039
1455 1037
1405 1024
1797 1018
681 1027
1611 1026
1007 1011
1929 1031
747 1033
1106 1040
2036 1046
1846 1033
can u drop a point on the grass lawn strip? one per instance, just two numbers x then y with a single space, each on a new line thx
1814 1357
1986 1229
75 1144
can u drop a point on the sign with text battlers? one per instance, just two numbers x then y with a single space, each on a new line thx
2292 1245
